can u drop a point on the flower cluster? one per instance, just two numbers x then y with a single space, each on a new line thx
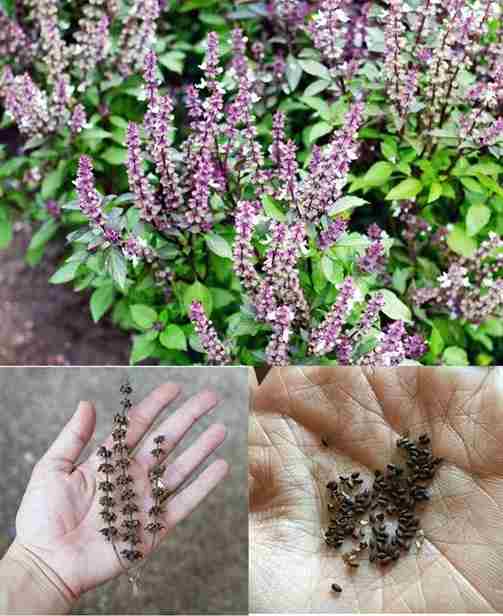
90 203
25 103
322 186
215 350
469 289
289 14
53 46
139 184
374 260
92 41
158 125
137 35
14 43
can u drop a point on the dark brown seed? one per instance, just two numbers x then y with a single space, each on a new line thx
336 588
324 442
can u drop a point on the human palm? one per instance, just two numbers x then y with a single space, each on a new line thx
58 520
360 413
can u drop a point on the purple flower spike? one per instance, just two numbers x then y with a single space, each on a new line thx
138 183
325 337
215 350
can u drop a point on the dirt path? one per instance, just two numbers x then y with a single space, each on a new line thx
43 324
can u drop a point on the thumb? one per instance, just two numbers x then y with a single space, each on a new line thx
72 440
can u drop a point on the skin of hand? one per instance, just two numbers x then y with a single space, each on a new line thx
360 413
58 520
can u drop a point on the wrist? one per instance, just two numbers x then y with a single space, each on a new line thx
29 586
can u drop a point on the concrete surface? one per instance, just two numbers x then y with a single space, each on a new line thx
203 566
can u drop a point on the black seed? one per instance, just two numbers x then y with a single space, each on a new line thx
336 588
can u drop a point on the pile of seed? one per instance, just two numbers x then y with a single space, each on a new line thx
381 519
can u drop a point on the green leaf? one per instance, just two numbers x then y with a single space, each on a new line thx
316 87
143 315
346 203
143 347
316 69
52 182
317 103
436 342
435 192
5 229
293 72
459 242
173 61
115 155
406 189
173 338
43 235
400 277
191 5
198 292
455 356
65 273
97 134
394 308
116 265
9 167
218 245
389 150
477 218
8 7
318 130
272 209
471 184
101 300
378 174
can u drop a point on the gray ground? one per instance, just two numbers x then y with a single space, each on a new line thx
203 566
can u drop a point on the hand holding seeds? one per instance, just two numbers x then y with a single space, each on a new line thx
89 522
377 490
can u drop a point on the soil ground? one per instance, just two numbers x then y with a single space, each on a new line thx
44 324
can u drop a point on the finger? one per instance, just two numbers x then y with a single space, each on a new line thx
182 468
71 441
183 504
177 425
143 415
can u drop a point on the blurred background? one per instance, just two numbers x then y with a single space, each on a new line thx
203 566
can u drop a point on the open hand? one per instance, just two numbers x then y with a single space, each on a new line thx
360 413
58 520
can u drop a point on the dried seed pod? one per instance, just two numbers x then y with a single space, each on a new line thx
119 434
123 463
127 495
124 480
130 508
108 516
132 555
109 532
156 510
154 527
106 467
107 501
